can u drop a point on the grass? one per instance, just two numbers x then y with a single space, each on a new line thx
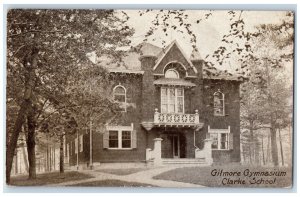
48 178
122 171
203 176
111 183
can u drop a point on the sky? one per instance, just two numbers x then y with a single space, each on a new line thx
209 32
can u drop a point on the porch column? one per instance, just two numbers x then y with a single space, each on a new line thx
157 151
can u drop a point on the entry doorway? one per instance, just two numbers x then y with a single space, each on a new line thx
173 145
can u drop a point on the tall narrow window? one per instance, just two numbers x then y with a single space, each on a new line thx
180 98
126 139
120 96
214 137
172 100
113 139
219 108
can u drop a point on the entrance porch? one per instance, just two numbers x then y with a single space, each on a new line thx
177 146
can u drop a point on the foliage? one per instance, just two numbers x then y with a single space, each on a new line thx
46 50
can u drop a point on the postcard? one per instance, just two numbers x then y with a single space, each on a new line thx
149 98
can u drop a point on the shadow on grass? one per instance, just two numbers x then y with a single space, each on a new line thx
48 178
111 183
204 176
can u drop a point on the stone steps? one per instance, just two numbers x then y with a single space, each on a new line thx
184 161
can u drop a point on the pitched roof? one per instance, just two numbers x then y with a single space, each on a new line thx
147 49
132 64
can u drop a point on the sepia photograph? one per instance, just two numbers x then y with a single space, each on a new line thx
149 98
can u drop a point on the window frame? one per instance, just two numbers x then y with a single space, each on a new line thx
219 133
223 104
125 95
168 99
174 70
120 130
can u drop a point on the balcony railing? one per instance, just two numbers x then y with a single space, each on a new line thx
176 119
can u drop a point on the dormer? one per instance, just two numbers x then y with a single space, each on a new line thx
174 56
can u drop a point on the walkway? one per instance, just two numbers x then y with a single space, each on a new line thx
145 177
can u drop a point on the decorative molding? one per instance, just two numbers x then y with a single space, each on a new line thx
147 125
218 130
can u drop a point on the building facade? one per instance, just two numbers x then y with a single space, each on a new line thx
173 107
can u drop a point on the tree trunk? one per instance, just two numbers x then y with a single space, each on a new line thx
50 158
268 148
262 150
12 144
31 145
30 63
47 155
274 149
54 157
61 154
281 149
16 163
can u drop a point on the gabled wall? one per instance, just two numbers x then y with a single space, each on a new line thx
174 54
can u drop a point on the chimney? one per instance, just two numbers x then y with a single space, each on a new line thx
148 88
199 95
197 62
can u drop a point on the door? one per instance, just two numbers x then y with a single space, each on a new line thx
176 149
170 147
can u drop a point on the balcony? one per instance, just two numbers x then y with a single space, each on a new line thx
168 119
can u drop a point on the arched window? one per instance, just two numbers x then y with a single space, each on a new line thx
172 73
119 93
219 107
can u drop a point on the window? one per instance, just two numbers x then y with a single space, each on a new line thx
214 137
222 139
126 139
171 73
219 108
219 141
172 100
113 139
120 96
119 137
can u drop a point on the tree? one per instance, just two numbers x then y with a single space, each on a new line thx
266 97
44 47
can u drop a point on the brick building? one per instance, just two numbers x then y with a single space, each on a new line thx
174 109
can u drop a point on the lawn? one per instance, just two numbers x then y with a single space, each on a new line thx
125 171
48 178
231 176
111 183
